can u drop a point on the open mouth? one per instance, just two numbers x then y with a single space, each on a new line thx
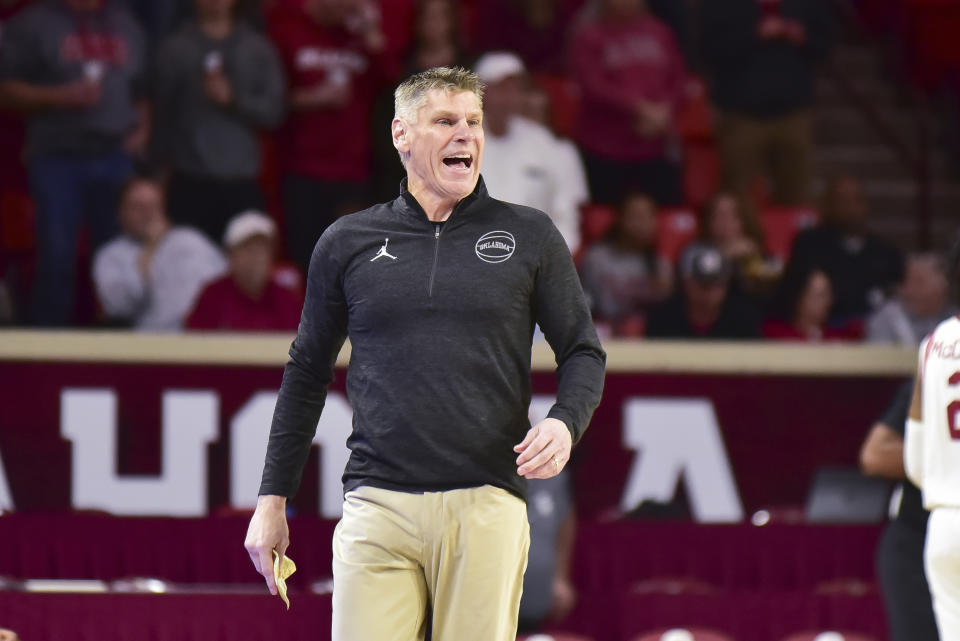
459 161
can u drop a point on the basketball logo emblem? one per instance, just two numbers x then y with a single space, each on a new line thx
495 246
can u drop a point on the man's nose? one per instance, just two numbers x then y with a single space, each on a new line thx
464 133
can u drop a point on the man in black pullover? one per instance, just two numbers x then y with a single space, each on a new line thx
439 292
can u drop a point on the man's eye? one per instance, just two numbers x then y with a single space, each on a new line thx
474 123
443 121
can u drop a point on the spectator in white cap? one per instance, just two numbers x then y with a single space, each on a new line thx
149 277
248 297
524 163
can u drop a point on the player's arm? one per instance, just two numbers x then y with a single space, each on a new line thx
562 313
913 435
303 392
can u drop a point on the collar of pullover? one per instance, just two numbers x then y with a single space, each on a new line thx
410 206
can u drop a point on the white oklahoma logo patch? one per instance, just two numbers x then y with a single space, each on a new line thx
495 246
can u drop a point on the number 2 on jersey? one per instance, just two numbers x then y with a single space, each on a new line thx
953 411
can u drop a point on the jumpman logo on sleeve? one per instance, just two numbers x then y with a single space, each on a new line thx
383 253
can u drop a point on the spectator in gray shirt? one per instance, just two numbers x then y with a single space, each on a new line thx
624 276
73 68
217 82
919 306
151 276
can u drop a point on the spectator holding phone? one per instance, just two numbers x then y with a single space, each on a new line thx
218 82
74 69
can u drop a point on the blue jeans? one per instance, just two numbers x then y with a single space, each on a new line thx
69 190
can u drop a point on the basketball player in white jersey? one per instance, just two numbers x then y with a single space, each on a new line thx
932 462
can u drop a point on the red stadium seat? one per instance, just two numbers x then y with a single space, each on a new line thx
701 172
287 275
673 585
698 634
596 221
16 222
564 102
695 120
846 636
553 636
678 227
931 28
782 224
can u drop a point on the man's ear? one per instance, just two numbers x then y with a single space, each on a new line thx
399 131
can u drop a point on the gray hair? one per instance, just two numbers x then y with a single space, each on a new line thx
411 94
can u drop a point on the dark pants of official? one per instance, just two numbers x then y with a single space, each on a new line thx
310 205
208 203
904 584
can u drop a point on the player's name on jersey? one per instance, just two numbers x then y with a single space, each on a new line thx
945 349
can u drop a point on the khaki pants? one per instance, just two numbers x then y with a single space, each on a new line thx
779 148
460 553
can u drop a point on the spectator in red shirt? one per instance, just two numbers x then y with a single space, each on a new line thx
632 77
802 308
247 298
335 57
534 29
436 43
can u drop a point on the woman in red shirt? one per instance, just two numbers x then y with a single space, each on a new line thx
802 306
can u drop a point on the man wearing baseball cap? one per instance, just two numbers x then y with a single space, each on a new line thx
705 306
247 298
523 160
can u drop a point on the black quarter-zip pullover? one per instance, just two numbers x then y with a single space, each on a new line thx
441 319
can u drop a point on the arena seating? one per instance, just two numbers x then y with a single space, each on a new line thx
755 583
780 226
564 102
696 634
835 636
678 226
165 617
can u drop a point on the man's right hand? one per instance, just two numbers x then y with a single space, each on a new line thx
325 95
81 94
267 532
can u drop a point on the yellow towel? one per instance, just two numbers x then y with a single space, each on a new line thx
283 567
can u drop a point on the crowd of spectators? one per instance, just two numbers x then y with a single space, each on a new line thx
186 154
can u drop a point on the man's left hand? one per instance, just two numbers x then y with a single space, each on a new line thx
564 598
217 87
545 450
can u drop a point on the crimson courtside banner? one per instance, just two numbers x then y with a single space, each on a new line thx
178 425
